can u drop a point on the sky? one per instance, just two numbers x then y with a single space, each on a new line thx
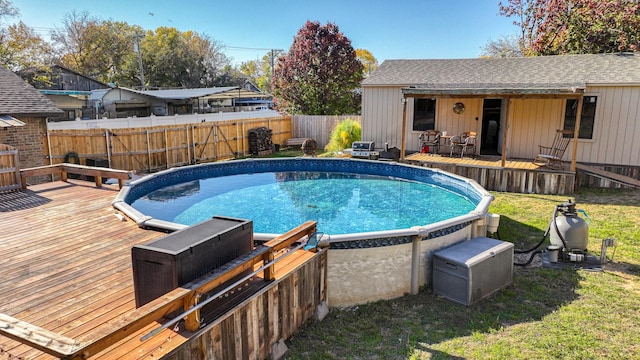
389 29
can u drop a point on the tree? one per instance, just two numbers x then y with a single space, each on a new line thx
320 73
7 9
259 72
27 54
550 27
22 50
172 58
505 46
95 48
368 61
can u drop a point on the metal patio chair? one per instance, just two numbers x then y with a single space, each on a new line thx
551 156
430 142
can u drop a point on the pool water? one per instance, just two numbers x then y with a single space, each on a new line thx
341 203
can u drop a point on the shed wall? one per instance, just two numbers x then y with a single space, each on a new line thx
532 122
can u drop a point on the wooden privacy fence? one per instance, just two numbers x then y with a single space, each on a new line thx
160 147
9 168
317 127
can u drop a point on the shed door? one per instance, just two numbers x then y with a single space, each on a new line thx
491 127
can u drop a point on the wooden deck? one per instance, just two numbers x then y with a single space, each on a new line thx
67 269
66 259
521 176
478 161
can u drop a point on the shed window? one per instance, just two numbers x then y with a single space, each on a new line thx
424 114
587 121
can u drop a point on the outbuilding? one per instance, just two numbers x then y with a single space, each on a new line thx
513 104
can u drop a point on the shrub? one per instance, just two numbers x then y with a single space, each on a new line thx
345 133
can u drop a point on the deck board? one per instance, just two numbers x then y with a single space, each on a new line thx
484 161
67 268
66 259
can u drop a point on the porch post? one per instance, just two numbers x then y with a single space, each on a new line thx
576 134
505 131
404 126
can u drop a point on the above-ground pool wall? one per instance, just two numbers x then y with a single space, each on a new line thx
368 270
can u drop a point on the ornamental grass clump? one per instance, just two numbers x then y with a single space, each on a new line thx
345 133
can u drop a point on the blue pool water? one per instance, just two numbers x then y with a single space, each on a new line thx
341 203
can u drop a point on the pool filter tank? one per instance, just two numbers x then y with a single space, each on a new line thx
569 233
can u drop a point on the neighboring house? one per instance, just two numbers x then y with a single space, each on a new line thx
26 111
123 102
69 91
513 104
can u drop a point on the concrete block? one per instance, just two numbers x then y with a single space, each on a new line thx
322 310
279 350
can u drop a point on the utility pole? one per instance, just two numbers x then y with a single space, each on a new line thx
138 37
274 53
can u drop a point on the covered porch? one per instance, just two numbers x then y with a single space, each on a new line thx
503 115
505 166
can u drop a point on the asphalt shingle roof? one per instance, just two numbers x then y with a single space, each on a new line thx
19 98
516 73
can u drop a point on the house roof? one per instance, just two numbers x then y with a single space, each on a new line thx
17 97
542 74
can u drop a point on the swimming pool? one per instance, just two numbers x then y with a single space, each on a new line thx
364 265
400 196
341 203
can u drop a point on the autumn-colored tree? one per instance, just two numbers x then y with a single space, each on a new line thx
95 48
550 27
258 72
320 74
172 58
22 50
369 62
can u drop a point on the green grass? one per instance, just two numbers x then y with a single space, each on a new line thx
545 314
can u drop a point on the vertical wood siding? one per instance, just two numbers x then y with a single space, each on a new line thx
249 330
533 122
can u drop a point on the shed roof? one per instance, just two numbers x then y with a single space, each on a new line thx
542 73
198 93
17 97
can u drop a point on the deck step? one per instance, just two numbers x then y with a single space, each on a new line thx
607 175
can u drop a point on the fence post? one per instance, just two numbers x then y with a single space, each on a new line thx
166 146
107 140
148 149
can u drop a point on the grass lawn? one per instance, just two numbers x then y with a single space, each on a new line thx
544 314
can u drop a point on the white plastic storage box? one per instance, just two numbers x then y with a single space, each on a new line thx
472 270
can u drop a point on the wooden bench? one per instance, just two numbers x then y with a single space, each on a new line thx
295 141
62 169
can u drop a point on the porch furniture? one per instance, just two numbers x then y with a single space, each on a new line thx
456 142
469 145
551 156
430 141
464 143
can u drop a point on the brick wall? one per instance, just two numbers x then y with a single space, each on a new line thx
28 140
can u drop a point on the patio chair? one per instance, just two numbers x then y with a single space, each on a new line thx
430 141
551 156
469 145
456 142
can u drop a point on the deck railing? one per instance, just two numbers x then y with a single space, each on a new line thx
9 168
